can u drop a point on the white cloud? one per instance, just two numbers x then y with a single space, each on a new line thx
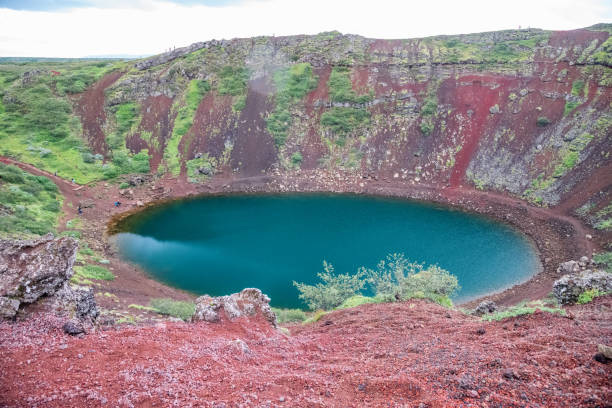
160 25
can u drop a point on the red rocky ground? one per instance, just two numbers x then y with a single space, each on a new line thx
411 354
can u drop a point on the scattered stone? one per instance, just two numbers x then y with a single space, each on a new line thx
139 203
481 331
361 387
248 303
79 301
605 350
494 109
588 236
73 328
570 287
510 374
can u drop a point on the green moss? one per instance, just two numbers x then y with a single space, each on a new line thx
588 296
341 87
141 307
358 300
233 80
194 167
316 316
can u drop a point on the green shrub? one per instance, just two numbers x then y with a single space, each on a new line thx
587 296
296 159
289 315
578 87
427 127
604 259
396 277
334 290
316 316
543 121
175 308
341 87
569 107
358 300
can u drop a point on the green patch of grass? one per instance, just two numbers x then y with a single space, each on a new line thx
89 271
175 308
523 308
29 205
141 307
233 80
127 118
201 169
316 316
343 121
341 87
296 159
358 300
578 87
289 315
569 107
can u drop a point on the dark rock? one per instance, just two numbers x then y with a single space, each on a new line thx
485 307
509 374
600 358
32 269
79 301
570 287
248 302
361 387
481 331
73 328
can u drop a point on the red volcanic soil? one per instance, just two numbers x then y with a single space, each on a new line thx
412 354
90 107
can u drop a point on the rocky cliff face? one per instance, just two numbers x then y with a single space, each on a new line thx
525 112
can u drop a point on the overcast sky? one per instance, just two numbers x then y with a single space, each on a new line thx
77 28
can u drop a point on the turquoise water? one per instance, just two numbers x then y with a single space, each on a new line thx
222 244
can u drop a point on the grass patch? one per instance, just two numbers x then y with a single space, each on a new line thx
604 260
141 307
316 316
359 300
289 315
88 272
343 121
175 308
569 107
29 205
523 308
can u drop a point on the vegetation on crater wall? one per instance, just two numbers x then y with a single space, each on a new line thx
292 84
186 109
29 205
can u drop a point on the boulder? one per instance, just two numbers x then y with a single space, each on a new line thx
79 302
73 327
570 287
485 307
8 308
568 267
247 303
34 268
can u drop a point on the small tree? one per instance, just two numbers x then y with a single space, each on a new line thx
334 289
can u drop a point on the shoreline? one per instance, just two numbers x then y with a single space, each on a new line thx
555 236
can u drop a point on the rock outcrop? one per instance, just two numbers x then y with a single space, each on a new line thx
570 287
248 302
33 269
485 307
